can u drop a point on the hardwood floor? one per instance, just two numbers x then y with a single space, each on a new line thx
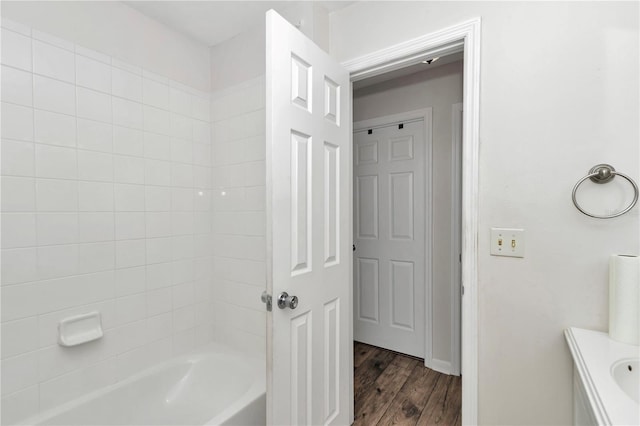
396 389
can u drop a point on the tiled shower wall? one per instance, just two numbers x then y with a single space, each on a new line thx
238 120
106 206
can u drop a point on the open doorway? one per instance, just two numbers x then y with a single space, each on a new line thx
406 167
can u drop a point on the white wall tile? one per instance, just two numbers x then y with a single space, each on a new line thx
96 166
183 318
182 175
57 228
131 335
158 224
201 132
182 271
51 39
128 141
55 195
201 108
57 261
157 199
182 223
127 113
95 135
158 250
18 194
126 85
16 26
128 169
95 196
130 253
180 102
181 127
17 122
182 199
157 146
19 301
18 230
89 53
155 77
159 326
19 373
133 361
130 281
182 295
93 105
156 120
96 257
159 275
182 247
17 86
155 93
54 128
126 66
18 265
67 292
181 150
55 162
17 158
19 405
70 386
94 227
184 342
129 198
93 74
202 177
130 225
19 336
159 302
157 172
16 50
54 95
53 61
202 154
131 308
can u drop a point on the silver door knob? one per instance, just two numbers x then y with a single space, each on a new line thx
286 301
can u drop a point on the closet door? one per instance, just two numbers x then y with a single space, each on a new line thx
309 351
389 234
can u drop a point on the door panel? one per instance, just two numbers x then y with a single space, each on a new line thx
389 275
308 231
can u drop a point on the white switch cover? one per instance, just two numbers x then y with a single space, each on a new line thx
507 242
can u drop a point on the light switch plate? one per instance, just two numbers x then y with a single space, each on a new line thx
507 242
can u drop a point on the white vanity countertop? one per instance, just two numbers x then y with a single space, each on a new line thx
594 355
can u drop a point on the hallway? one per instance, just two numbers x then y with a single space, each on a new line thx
396 389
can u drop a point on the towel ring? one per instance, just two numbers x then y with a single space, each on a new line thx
603 173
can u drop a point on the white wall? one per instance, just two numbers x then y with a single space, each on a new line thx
118 30
439 89
559 93
106 206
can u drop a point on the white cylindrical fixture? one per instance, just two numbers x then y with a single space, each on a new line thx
624 298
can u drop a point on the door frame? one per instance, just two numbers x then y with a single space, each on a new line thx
466 34
426 114
456 246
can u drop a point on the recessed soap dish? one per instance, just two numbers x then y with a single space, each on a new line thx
79 329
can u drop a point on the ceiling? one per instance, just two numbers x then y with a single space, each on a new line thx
212 22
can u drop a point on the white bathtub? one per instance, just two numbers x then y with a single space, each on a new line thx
214 386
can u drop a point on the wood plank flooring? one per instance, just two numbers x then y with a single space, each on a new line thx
396 389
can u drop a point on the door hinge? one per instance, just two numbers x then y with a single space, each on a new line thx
463 290
267 300
460 258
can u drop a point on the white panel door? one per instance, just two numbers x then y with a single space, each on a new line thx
389 234
309 235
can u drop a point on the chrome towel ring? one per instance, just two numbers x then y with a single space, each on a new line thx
603 173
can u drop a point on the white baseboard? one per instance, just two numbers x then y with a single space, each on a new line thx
441 366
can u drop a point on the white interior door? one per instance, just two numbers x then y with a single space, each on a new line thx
389 234
309 236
